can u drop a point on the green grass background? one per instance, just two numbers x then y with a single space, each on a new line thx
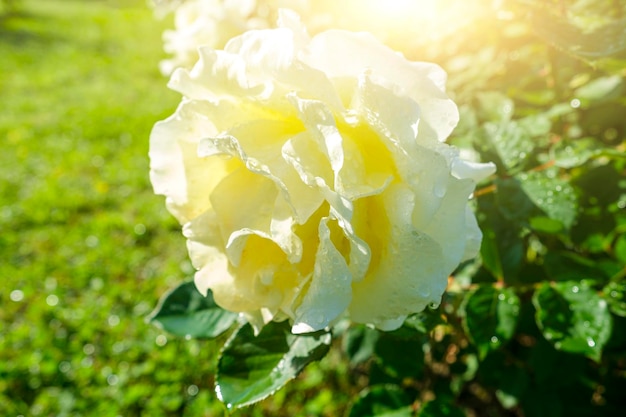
86 248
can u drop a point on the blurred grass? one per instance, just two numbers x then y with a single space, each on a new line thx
86 249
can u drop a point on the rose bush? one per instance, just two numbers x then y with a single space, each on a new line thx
312 178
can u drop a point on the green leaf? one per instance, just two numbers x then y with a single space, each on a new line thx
509 379
615 294
250 367
573 317
490 317
546 225
620 248
568 266
401 357
382 401
512 201
511 142
359 342
425 321
495 106
185 312
552 195
502 249
441 407
573 153
606 40
600 88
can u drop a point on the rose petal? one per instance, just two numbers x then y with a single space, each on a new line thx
329 291
407 270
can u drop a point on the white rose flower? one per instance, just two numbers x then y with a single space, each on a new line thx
312 178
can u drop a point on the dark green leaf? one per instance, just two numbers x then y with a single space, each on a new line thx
490 317
401 357
509 379
502 249
185 312
552 195
604 41
425 321
250 367
620 248
382 401
512 200
615 294
359 342
490 254
441 407
573 317
573 153
511 142
568 266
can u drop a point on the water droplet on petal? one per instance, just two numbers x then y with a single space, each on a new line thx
439 190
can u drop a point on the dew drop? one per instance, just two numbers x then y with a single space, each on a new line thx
591 342
501 297
439 190
92 241
17 295
65 367
89 349
586 323
52 300
161 340
494 339
193 390
113 320
112 379
575 289
87 362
